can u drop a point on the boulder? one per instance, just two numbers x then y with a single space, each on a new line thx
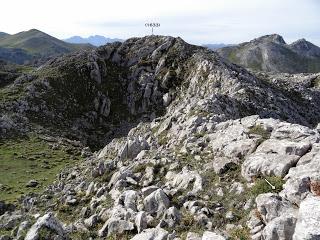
295 132
221 165
156 202
230 133
152 234
148 177
129 199
132 148
91 221
271 206
193 236
274 157
284 147
122 174
141 221
22 229
170 218
32 183
207 235
114 226
297 186
236 188
47 221
267 164
280 228
241 148
165 125
148 190
308 223
5 206
182 180
9 220
90 189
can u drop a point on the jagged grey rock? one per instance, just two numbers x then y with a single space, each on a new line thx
193 236
307 226
171 217
32 183
156 202
267 164
280 228
141 221
271 206
132 148
129 199
152 234
222 164
183 179
114 226
48 221
91 221
297 186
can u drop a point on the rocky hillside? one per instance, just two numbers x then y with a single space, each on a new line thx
28 46
183 145
271 53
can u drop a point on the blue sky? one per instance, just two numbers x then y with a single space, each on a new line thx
196 21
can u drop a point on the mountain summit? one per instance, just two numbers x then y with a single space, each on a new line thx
271 53
273 38
305 48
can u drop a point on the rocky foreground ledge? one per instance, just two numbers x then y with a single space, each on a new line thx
198 187
218 152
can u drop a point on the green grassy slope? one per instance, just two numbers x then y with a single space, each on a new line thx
29 158
36 44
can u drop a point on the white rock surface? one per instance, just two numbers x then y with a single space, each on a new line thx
207 235
280 228
152 234
308 224
156 202
48 221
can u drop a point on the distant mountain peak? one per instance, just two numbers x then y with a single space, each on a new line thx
215 46
302 43
271 53
35 31
275 38
96 40
306 48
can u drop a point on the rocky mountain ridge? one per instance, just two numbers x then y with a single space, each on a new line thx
189 140
271 53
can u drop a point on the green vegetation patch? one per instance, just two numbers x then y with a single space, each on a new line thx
261 185
240 234
259 130
11 93
22 160
316 82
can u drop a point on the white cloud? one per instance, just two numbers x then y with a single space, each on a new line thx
197 21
